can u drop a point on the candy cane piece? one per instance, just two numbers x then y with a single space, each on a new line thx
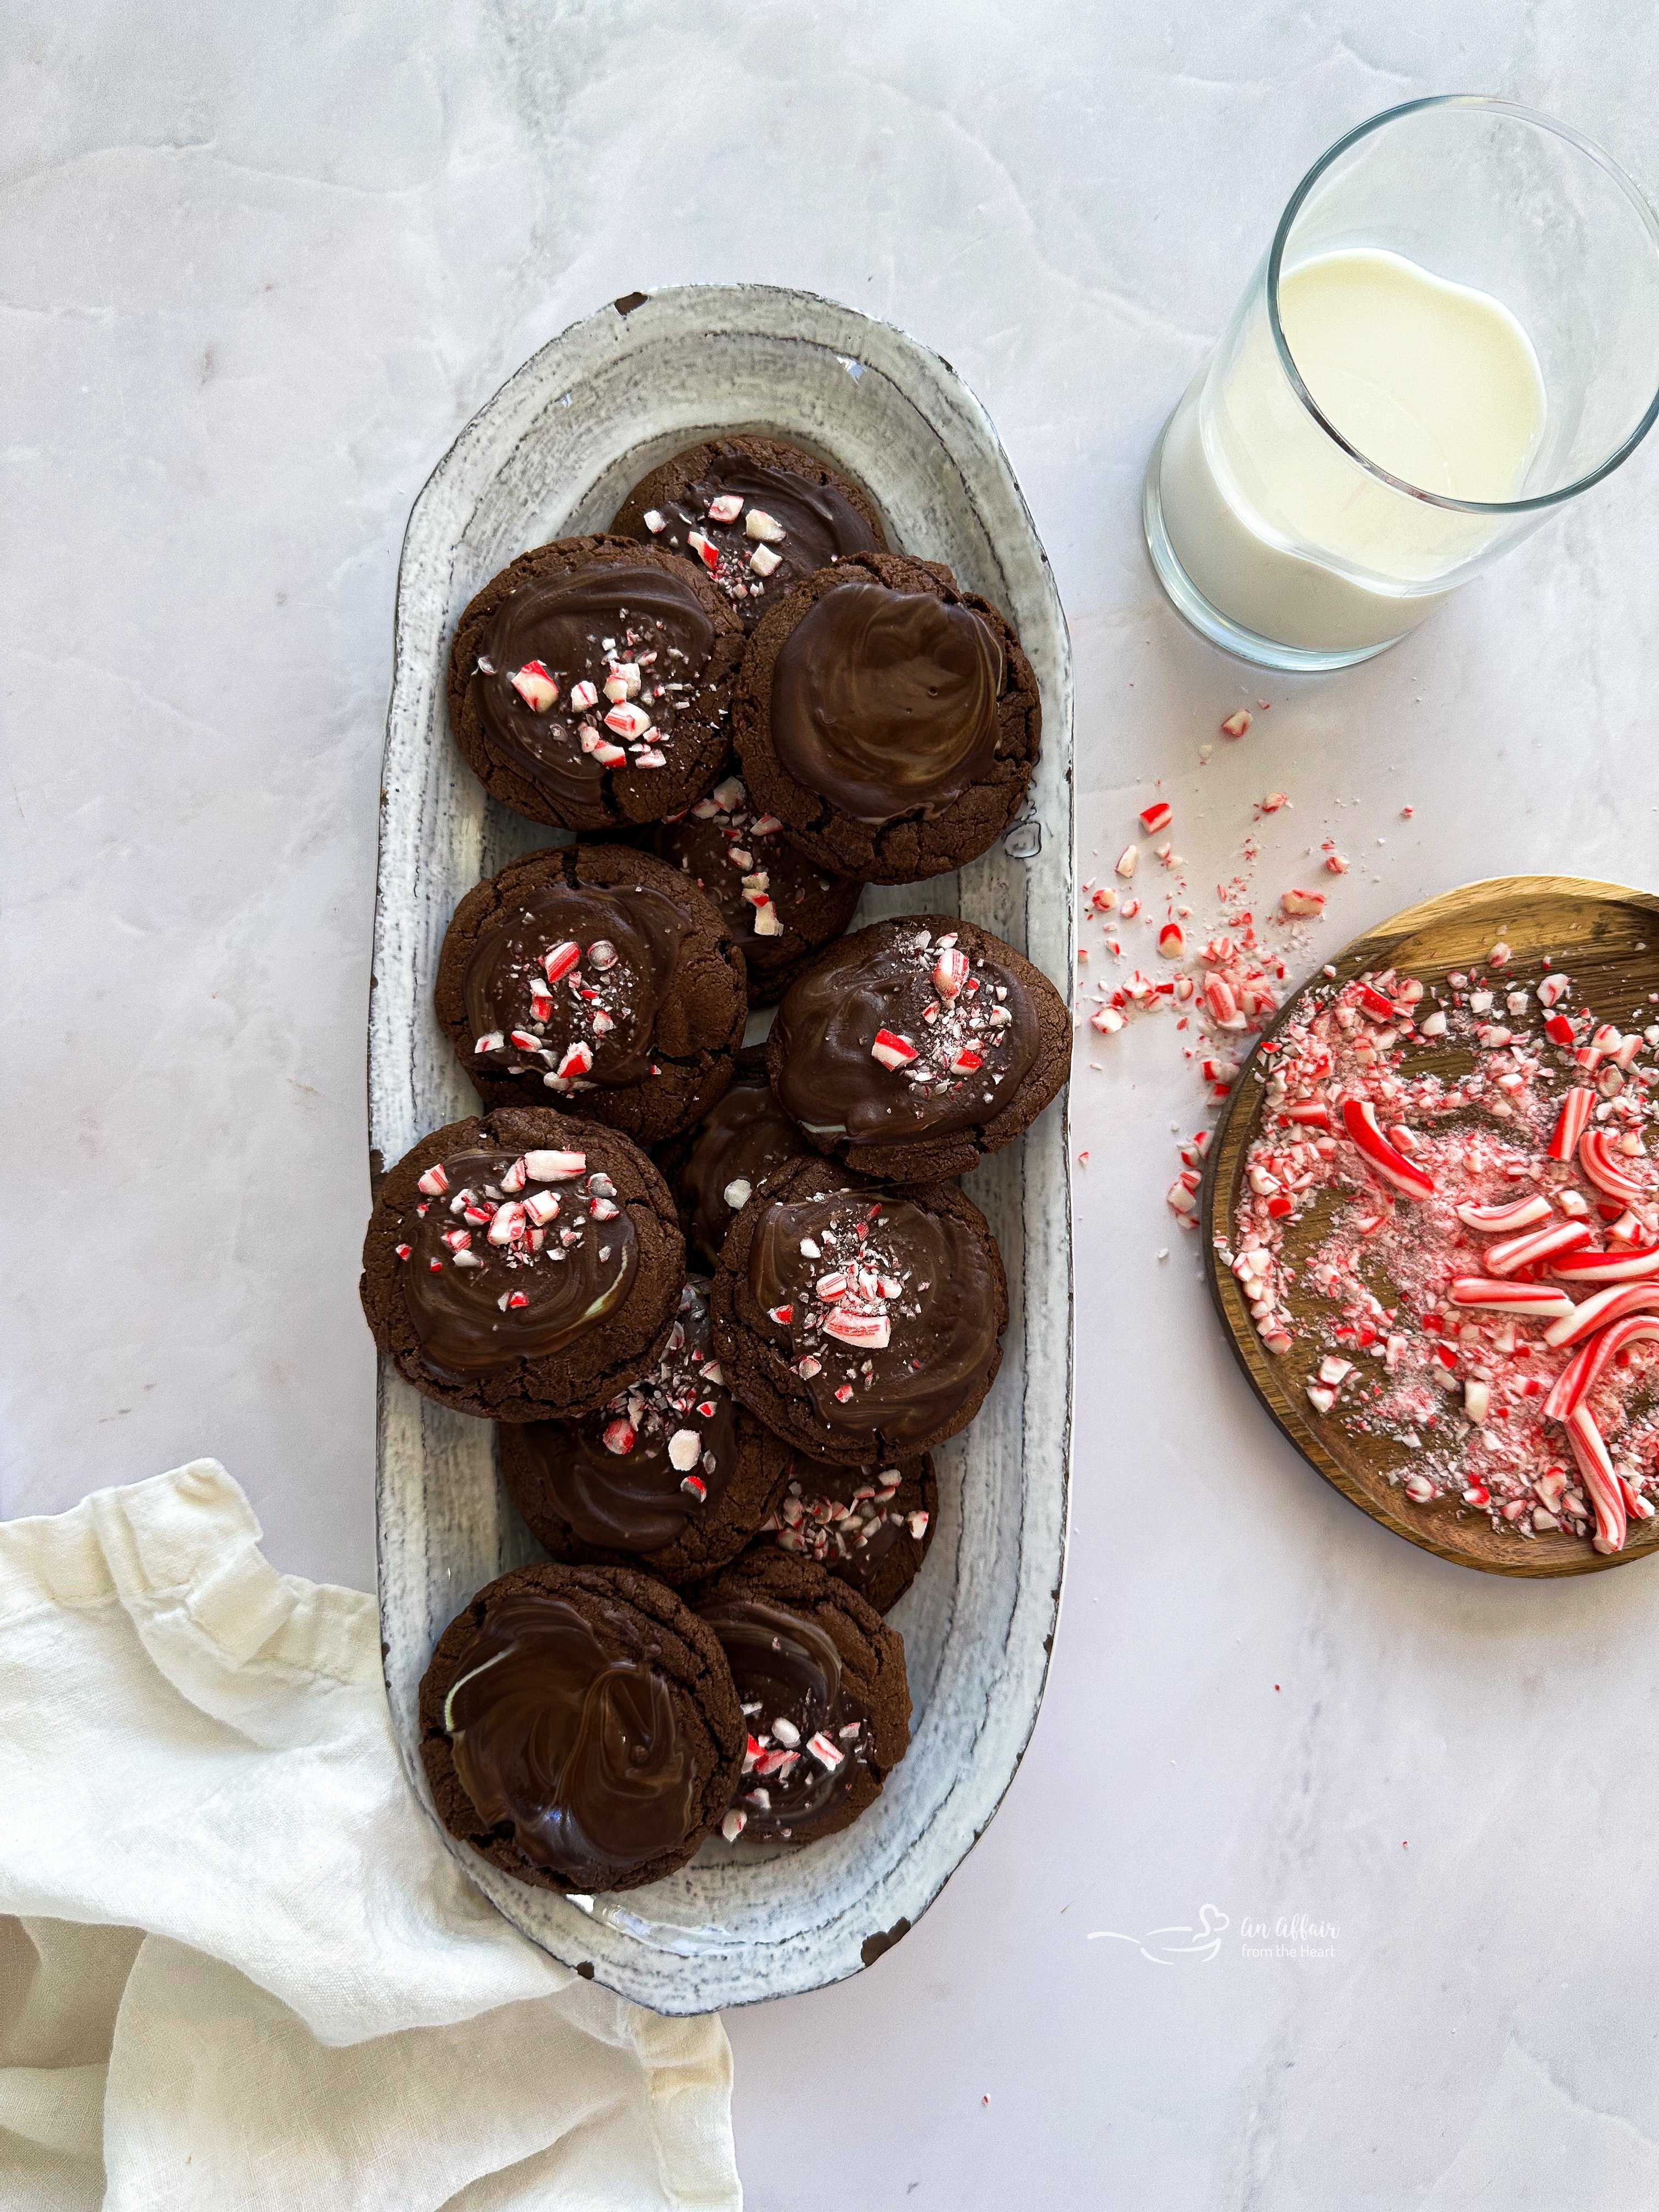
1596 1159
1599 1481
1520 1214
1570 1123
1601 1311
1522 1251
1535 1301
1608 1267
1359 1120
1579 1377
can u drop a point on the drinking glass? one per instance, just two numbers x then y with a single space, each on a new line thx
1279 536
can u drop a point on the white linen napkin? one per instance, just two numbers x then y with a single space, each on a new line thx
242 1970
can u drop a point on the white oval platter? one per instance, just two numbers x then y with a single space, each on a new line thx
552 455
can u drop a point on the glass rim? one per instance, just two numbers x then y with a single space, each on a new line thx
1516 111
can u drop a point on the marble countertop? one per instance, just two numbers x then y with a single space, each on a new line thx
255 281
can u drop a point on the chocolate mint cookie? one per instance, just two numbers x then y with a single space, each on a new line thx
579 1728
859 1325
870 1526
590 682
915 1046
526 1266
715 1169
821 1679
672 1476
779 905
759 514
889 719
597 977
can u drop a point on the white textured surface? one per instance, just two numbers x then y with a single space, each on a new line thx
259 267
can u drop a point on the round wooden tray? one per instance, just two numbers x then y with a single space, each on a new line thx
1606 938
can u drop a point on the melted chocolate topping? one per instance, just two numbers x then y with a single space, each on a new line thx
610 954
579 1752
758 879
886 702
804 1729
881 1299
843 1517
847 1024
630 1477
487 1283
743 1137
639 628
819 527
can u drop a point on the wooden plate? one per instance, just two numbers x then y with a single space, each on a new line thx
1606 939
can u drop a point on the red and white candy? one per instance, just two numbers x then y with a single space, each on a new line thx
1359 1120
892 1050
534 686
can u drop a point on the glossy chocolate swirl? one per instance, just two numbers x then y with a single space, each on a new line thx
788 1674
886 702
966 1021
628 1477
606 1002
565 621
454 1291
819 525
581 1752
856 1280
742 1138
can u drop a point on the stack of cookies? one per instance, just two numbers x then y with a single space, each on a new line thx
723 1303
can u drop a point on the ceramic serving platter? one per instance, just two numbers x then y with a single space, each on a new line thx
552 455
1606 938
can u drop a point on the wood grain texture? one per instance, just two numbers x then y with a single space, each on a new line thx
1606 938
552 455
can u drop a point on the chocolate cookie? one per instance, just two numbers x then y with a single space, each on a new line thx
598 977
590 682
759 514
821 1679
715 1168
889 719
672 1476
912 1049
869 1526
579 1728
526 1266
862 1325
780 906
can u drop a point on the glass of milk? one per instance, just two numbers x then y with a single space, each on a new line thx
1456 331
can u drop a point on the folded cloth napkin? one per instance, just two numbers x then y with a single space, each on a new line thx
243 1971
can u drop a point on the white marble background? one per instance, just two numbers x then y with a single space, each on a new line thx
259 265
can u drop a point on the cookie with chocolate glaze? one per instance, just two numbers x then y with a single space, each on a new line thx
821 1679
759 514
524 1267
870 1526
715 1169
590 682
912 1049
597 978
780 906
889 719
861 1324
672 1476
580 1728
